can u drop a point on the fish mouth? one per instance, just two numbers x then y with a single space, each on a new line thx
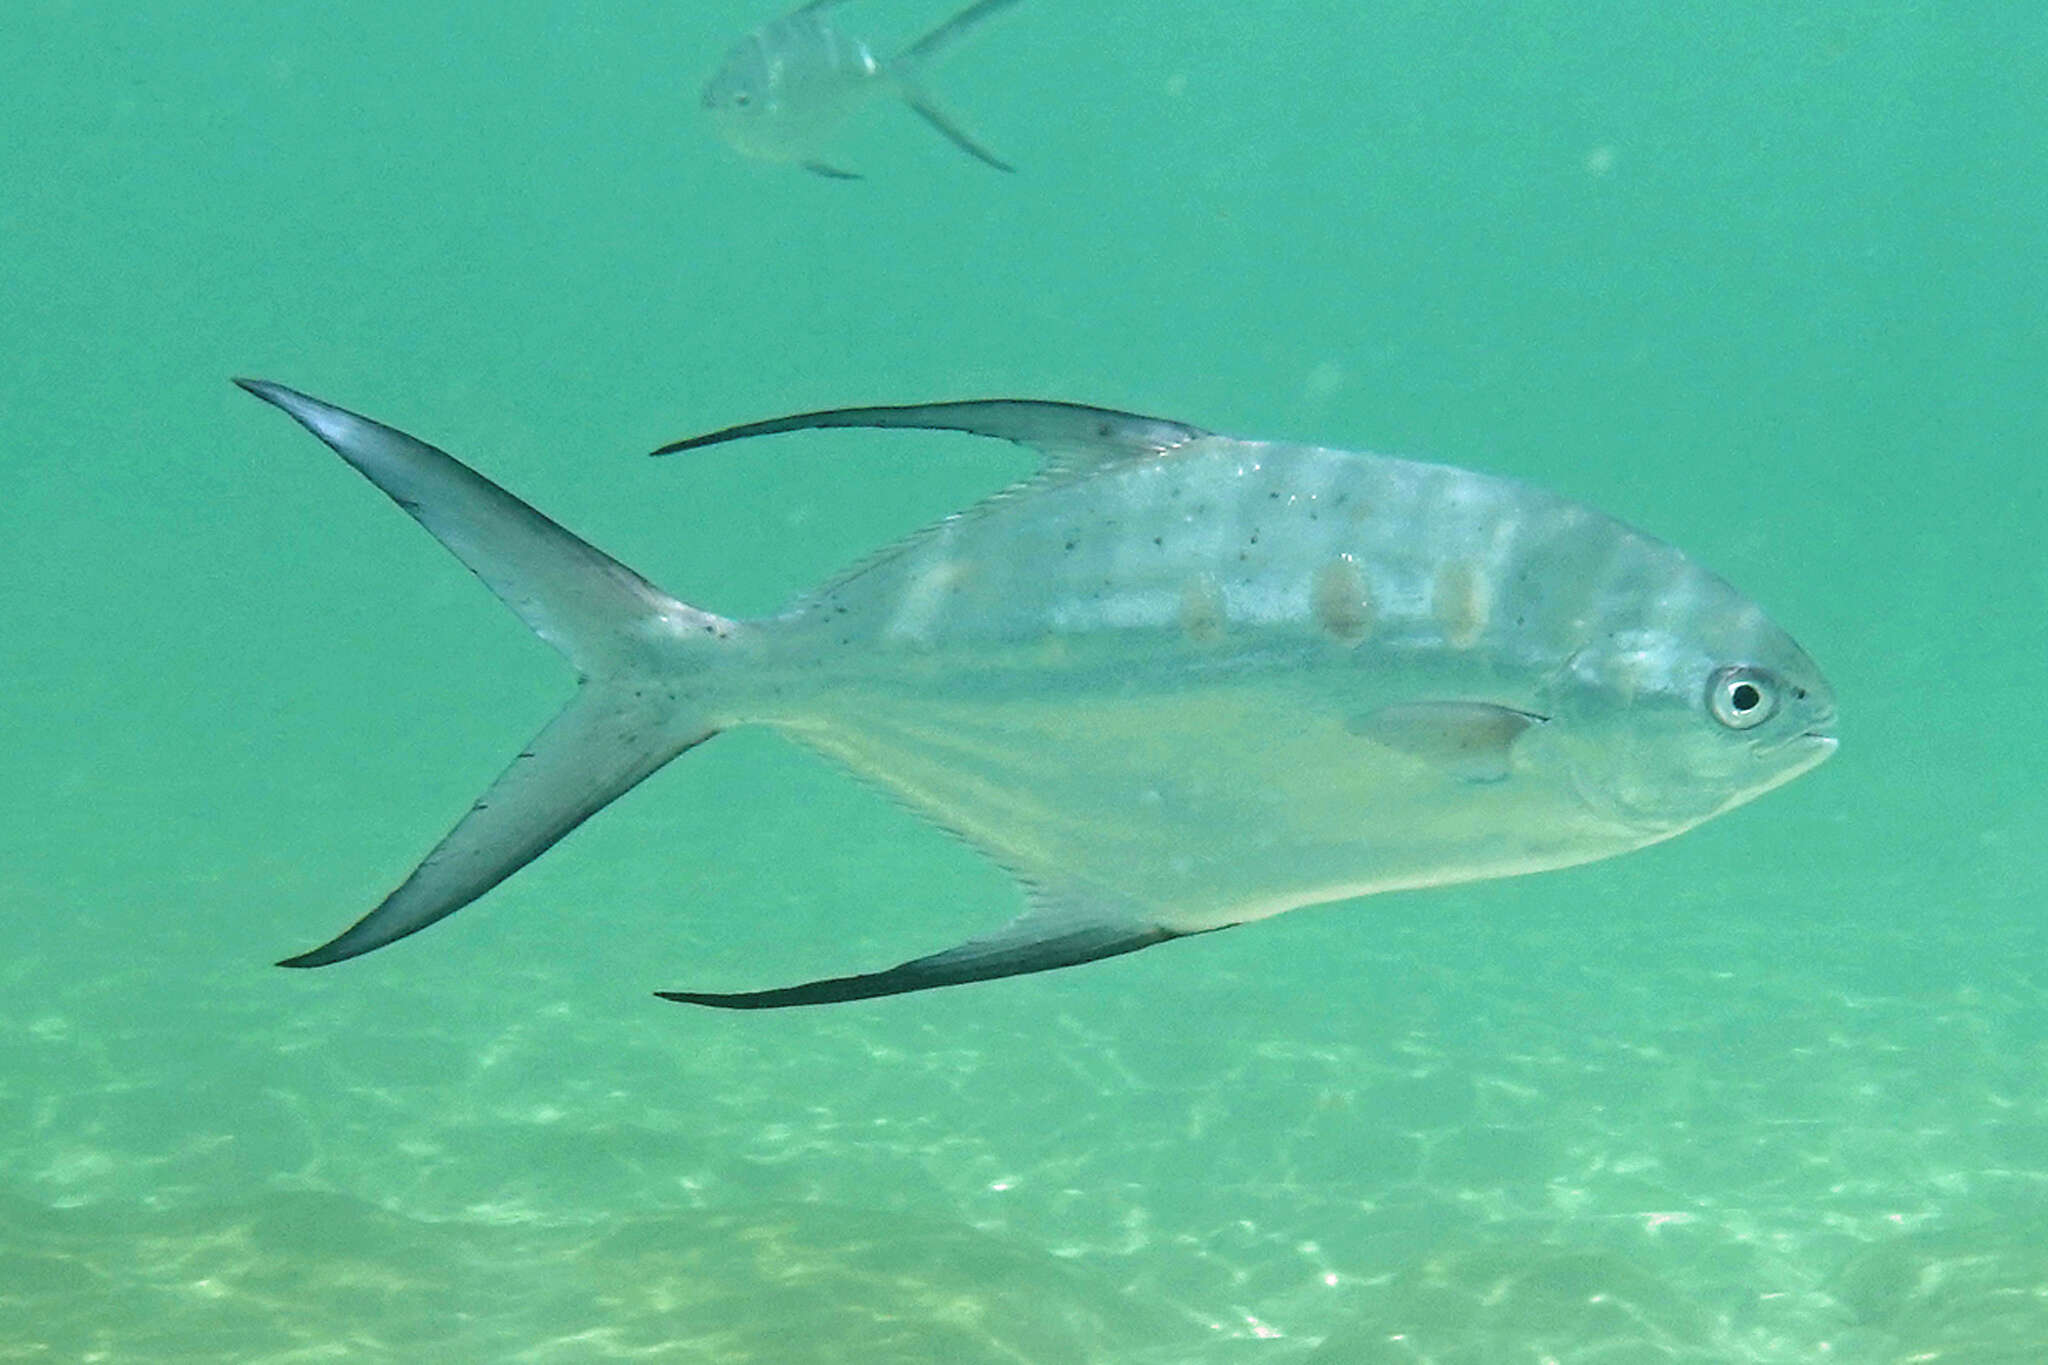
1797 753
1805 739
1821 731
1810 749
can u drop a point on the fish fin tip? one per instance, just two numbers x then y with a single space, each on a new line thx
831 172
351 942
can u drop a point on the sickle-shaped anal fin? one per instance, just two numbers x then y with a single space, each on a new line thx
978 961
1061 929
1071 436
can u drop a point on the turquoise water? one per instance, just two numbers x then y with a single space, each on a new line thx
1764 281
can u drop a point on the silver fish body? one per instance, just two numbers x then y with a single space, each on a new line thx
1180 681
787 88
1210 680
789 85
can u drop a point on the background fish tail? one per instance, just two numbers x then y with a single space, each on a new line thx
949 34
629 717
910 66
921 104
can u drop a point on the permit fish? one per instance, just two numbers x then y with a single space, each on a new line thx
788 86
1172 682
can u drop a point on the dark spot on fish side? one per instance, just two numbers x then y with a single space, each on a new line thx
1202 613
1341 601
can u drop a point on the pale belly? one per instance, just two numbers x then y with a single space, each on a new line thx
1206 801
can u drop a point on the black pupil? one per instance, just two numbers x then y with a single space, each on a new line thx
1745 696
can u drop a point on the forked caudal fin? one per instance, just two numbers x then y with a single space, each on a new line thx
909 68
621 632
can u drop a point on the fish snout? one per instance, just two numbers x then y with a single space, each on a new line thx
1820 725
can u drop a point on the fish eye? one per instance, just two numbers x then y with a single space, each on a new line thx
1741 697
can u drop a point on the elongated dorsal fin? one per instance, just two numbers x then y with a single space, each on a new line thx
1071 436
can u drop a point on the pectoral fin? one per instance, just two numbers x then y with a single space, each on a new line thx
1470 740
1058 931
